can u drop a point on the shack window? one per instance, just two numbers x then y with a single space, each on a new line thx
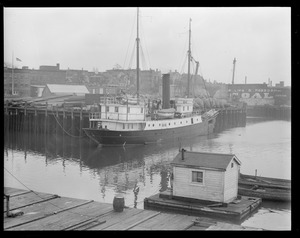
197 177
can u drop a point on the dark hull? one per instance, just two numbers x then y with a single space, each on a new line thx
117 138
266 188
280 195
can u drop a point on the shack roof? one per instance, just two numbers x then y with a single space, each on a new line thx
67 88
204 160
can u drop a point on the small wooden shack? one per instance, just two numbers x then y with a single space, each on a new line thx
64 89
205 176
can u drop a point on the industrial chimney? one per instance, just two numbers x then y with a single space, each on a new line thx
166 91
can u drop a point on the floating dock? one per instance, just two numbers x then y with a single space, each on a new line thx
236 211
42 211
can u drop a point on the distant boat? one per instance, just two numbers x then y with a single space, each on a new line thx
266 188
125 121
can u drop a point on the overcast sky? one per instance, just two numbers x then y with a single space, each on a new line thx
88 38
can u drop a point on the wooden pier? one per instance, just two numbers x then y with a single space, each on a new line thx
42 211
69 121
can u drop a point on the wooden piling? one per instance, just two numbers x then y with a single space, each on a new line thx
80 123
72 122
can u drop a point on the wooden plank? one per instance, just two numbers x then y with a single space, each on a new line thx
15 191
28 199
134 220
196 228
157 222
68 218
116 217
179 222
20 193
42 210
89 223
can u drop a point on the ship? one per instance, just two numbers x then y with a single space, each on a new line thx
125 120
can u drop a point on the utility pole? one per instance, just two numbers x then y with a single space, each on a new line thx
189 60
234 61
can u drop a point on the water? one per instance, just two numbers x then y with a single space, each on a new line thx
77 168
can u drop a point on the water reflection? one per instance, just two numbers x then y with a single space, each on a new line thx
122 168
86 171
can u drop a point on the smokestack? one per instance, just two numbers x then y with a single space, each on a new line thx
166 91
182 153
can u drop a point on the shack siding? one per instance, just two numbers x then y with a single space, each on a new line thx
231 182
211 190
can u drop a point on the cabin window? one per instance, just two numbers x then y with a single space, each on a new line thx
231 165
132 126
123 126
169 124
197 176
153 125
183 108
116 109
142 110
107 108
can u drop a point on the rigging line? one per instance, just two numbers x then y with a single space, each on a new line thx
132 54
194 49
185 59
184 48
130 40
143 59
143 34
64 129
43 198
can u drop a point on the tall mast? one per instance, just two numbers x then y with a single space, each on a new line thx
12 75
189 60
137 59
234 60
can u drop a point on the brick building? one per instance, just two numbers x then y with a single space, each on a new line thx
46 74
